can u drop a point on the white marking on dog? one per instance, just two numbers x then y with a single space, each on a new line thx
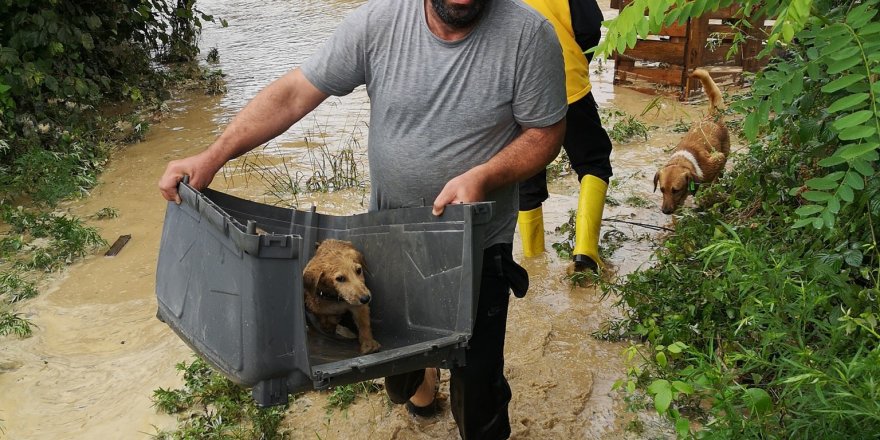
693 160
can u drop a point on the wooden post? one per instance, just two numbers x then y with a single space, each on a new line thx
697 34
753 45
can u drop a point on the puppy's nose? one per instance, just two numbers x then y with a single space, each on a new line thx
667 211
365 299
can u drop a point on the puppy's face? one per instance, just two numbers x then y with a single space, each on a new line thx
339 273
674 182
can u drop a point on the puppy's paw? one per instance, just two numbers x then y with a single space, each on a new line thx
370 346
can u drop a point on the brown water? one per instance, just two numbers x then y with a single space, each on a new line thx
98 352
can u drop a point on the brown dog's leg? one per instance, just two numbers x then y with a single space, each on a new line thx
365 333
328 323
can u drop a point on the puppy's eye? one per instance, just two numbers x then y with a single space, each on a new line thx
340 278
357 270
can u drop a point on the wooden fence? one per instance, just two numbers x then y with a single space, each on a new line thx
667 57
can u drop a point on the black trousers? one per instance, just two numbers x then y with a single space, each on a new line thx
587 145
479 392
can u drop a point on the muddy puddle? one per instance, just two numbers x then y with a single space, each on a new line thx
98 352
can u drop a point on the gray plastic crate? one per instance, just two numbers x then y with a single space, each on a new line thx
236 297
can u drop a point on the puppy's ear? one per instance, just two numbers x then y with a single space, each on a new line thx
656 180
311 278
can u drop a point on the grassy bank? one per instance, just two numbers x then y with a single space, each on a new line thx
759 318
77 81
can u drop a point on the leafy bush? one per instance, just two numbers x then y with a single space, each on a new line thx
60 61
749 324
211 406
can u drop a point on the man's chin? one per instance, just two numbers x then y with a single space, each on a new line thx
459 14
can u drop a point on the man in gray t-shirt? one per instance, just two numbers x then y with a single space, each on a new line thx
467 98
439 108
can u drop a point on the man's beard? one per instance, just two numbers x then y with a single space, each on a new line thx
459 17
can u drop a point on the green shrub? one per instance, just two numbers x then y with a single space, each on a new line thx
211 406
748 324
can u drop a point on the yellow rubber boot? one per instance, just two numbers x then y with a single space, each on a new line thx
591 203
531 231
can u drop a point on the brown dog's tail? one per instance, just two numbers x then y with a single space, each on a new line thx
712 91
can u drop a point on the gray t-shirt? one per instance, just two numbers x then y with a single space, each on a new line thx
437 108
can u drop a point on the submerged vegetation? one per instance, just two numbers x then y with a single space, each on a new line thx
211 406
330 167
76 81
760 318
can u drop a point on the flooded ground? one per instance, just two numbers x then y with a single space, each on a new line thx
98 352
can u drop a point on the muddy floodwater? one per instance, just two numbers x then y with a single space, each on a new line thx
98 352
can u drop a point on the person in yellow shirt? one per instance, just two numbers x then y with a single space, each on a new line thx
577 24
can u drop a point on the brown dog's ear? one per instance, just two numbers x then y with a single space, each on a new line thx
656 179
311 277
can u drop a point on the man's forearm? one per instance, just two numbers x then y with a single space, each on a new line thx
527 155
278 106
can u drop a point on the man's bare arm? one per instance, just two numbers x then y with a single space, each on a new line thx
528 154
278 106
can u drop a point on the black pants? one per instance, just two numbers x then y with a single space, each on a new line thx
587 145
479 393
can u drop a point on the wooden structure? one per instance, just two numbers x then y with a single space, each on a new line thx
667 57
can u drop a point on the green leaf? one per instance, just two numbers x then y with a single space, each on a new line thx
93 22
816 196
682 427
827 218
845 53
87 42
853 257
787 31
840 65
863 167
798 378
662 400
857 132
852 151
758 400
831 161
832 31
822 183
846 194
857 20
834 205
842 82
750 126
836 43
870 29
854 180
808 210
683 387
661 360
852 119
802 222
699 7
847 102
658 385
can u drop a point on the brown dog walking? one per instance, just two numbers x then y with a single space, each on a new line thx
701 154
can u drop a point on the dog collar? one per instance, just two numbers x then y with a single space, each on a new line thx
693 160
327 296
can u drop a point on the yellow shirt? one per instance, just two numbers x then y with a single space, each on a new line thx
577 68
